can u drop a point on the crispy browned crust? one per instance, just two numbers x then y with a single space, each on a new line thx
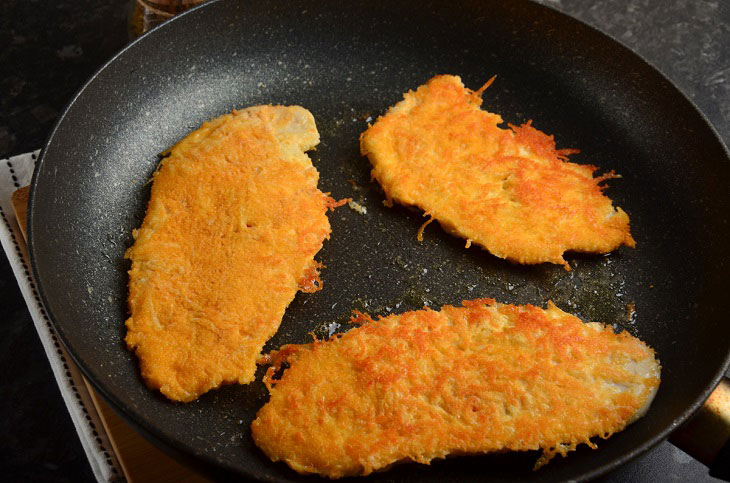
480 378
233 223
508 190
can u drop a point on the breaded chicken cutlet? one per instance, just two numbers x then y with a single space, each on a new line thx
485 377
230 234
508 190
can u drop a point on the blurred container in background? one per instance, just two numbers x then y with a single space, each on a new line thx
146 14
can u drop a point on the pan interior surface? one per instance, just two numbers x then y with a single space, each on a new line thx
347 64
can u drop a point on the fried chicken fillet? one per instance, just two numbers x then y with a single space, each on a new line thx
507 190
480 378
232 227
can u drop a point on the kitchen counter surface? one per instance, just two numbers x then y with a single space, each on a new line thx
50 48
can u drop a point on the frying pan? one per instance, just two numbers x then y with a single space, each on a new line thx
347 64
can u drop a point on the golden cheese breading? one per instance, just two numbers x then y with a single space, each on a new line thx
233 223
507 190
475 379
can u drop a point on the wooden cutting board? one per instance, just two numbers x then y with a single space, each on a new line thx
140 460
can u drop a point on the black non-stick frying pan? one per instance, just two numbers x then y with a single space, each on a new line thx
347 62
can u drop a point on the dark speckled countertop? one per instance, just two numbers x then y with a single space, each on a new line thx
50 48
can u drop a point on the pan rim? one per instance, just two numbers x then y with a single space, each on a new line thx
180 449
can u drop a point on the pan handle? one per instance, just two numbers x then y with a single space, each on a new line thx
706 436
